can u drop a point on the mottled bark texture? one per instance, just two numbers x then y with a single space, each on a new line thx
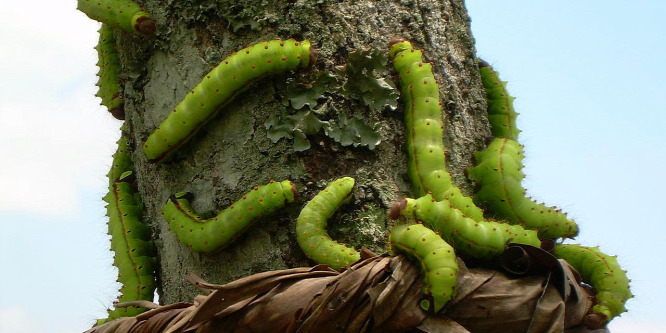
233 152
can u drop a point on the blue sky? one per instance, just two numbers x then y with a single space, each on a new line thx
589 77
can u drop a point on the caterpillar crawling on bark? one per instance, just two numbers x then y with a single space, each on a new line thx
134 252
109 67
124 14
437 259
499 176
501 114
219 87
209 235
498 171
311 226
423 122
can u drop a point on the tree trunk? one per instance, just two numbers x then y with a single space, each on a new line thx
233 152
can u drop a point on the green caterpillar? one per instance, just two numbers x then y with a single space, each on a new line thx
475 239
208 235
501 114
498 175
603 273
130 241
109 86
437 258
311 226
124 14
234 75
423 120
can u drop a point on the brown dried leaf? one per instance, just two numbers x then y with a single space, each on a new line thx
376 294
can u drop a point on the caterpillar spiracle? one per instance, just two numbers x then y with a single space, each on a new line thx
423 122
436 258
311 226
219 87
209 235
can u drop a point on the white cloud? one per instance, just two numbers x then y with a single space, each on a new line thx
16 319
56 139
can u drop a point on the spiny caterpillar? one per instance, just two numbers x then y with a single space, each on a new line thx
130 241
208 235
423 121
475 239
603 273
234 75
498 175
109 87
311 226
124 14
498 171
437 259
501 114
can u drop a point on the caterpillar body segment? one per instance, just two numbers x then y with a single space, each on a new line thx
312 221
603 273
125 14
501 114
436 258
122 161
134 252
109 67
423 121
219 87
209 235
475 239
498 175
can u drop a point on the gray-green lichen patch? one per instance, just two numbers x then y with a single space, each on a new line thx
248 14
364 81
296 126
359 81
310 94
347 132
354 132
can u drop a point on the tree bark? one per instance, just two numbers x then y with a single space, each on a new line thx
232 152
